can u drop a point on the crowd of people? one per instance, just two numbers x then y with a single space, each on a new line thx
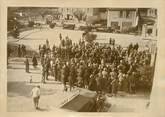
107 69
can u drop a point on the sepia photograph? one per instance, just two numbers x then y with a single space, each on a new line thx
74 59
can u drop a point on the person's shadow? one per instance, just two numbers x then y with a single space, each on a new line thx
42 109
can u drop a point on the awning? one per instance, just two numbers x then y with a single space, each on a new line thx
148 20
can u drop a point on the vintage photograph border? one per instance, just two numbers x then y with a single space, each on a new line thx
157 102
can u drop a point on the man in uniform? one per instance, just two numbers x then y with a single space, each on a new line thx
19 50
99 82
46 66
132 82
60 36
34 60
54 70
27 65
43 74
63 76
72 77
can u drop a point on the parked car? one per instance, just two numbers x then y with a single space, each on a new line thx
79 24
69 26
85 28
99 28
102 29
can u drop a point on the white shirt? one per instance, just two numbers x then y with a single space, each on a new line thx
35 92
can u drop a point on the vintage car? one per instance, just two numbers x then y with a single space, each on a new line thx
70 26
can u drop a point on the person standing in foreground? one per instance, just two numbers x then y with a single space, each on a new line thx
36 96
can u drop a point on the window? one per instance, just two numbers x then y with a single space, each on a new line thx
149 31
126 25
115 25
87 9
127 14
150 13
124 14
155 12
121 14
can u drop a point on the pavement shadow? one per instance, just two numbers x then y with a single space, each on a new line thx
34 82
34 39
18 88
10 67
42 109
48 91
22 89
53 82
34 72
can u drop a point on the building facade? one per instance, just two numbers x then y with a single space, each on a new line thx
148 17
121 18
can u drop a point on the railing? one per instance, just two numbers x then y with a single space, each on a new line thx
69 99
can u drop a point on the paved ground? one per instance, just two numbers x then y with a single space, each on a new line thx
19 89
134 103
37 37
52 93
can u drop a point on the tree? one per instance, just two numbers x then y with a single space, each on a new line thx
89 37
80 15
139 26
13 24
44 12
48 11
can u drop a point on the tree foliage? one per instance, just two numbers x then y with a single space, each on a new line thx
90 37
80 15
